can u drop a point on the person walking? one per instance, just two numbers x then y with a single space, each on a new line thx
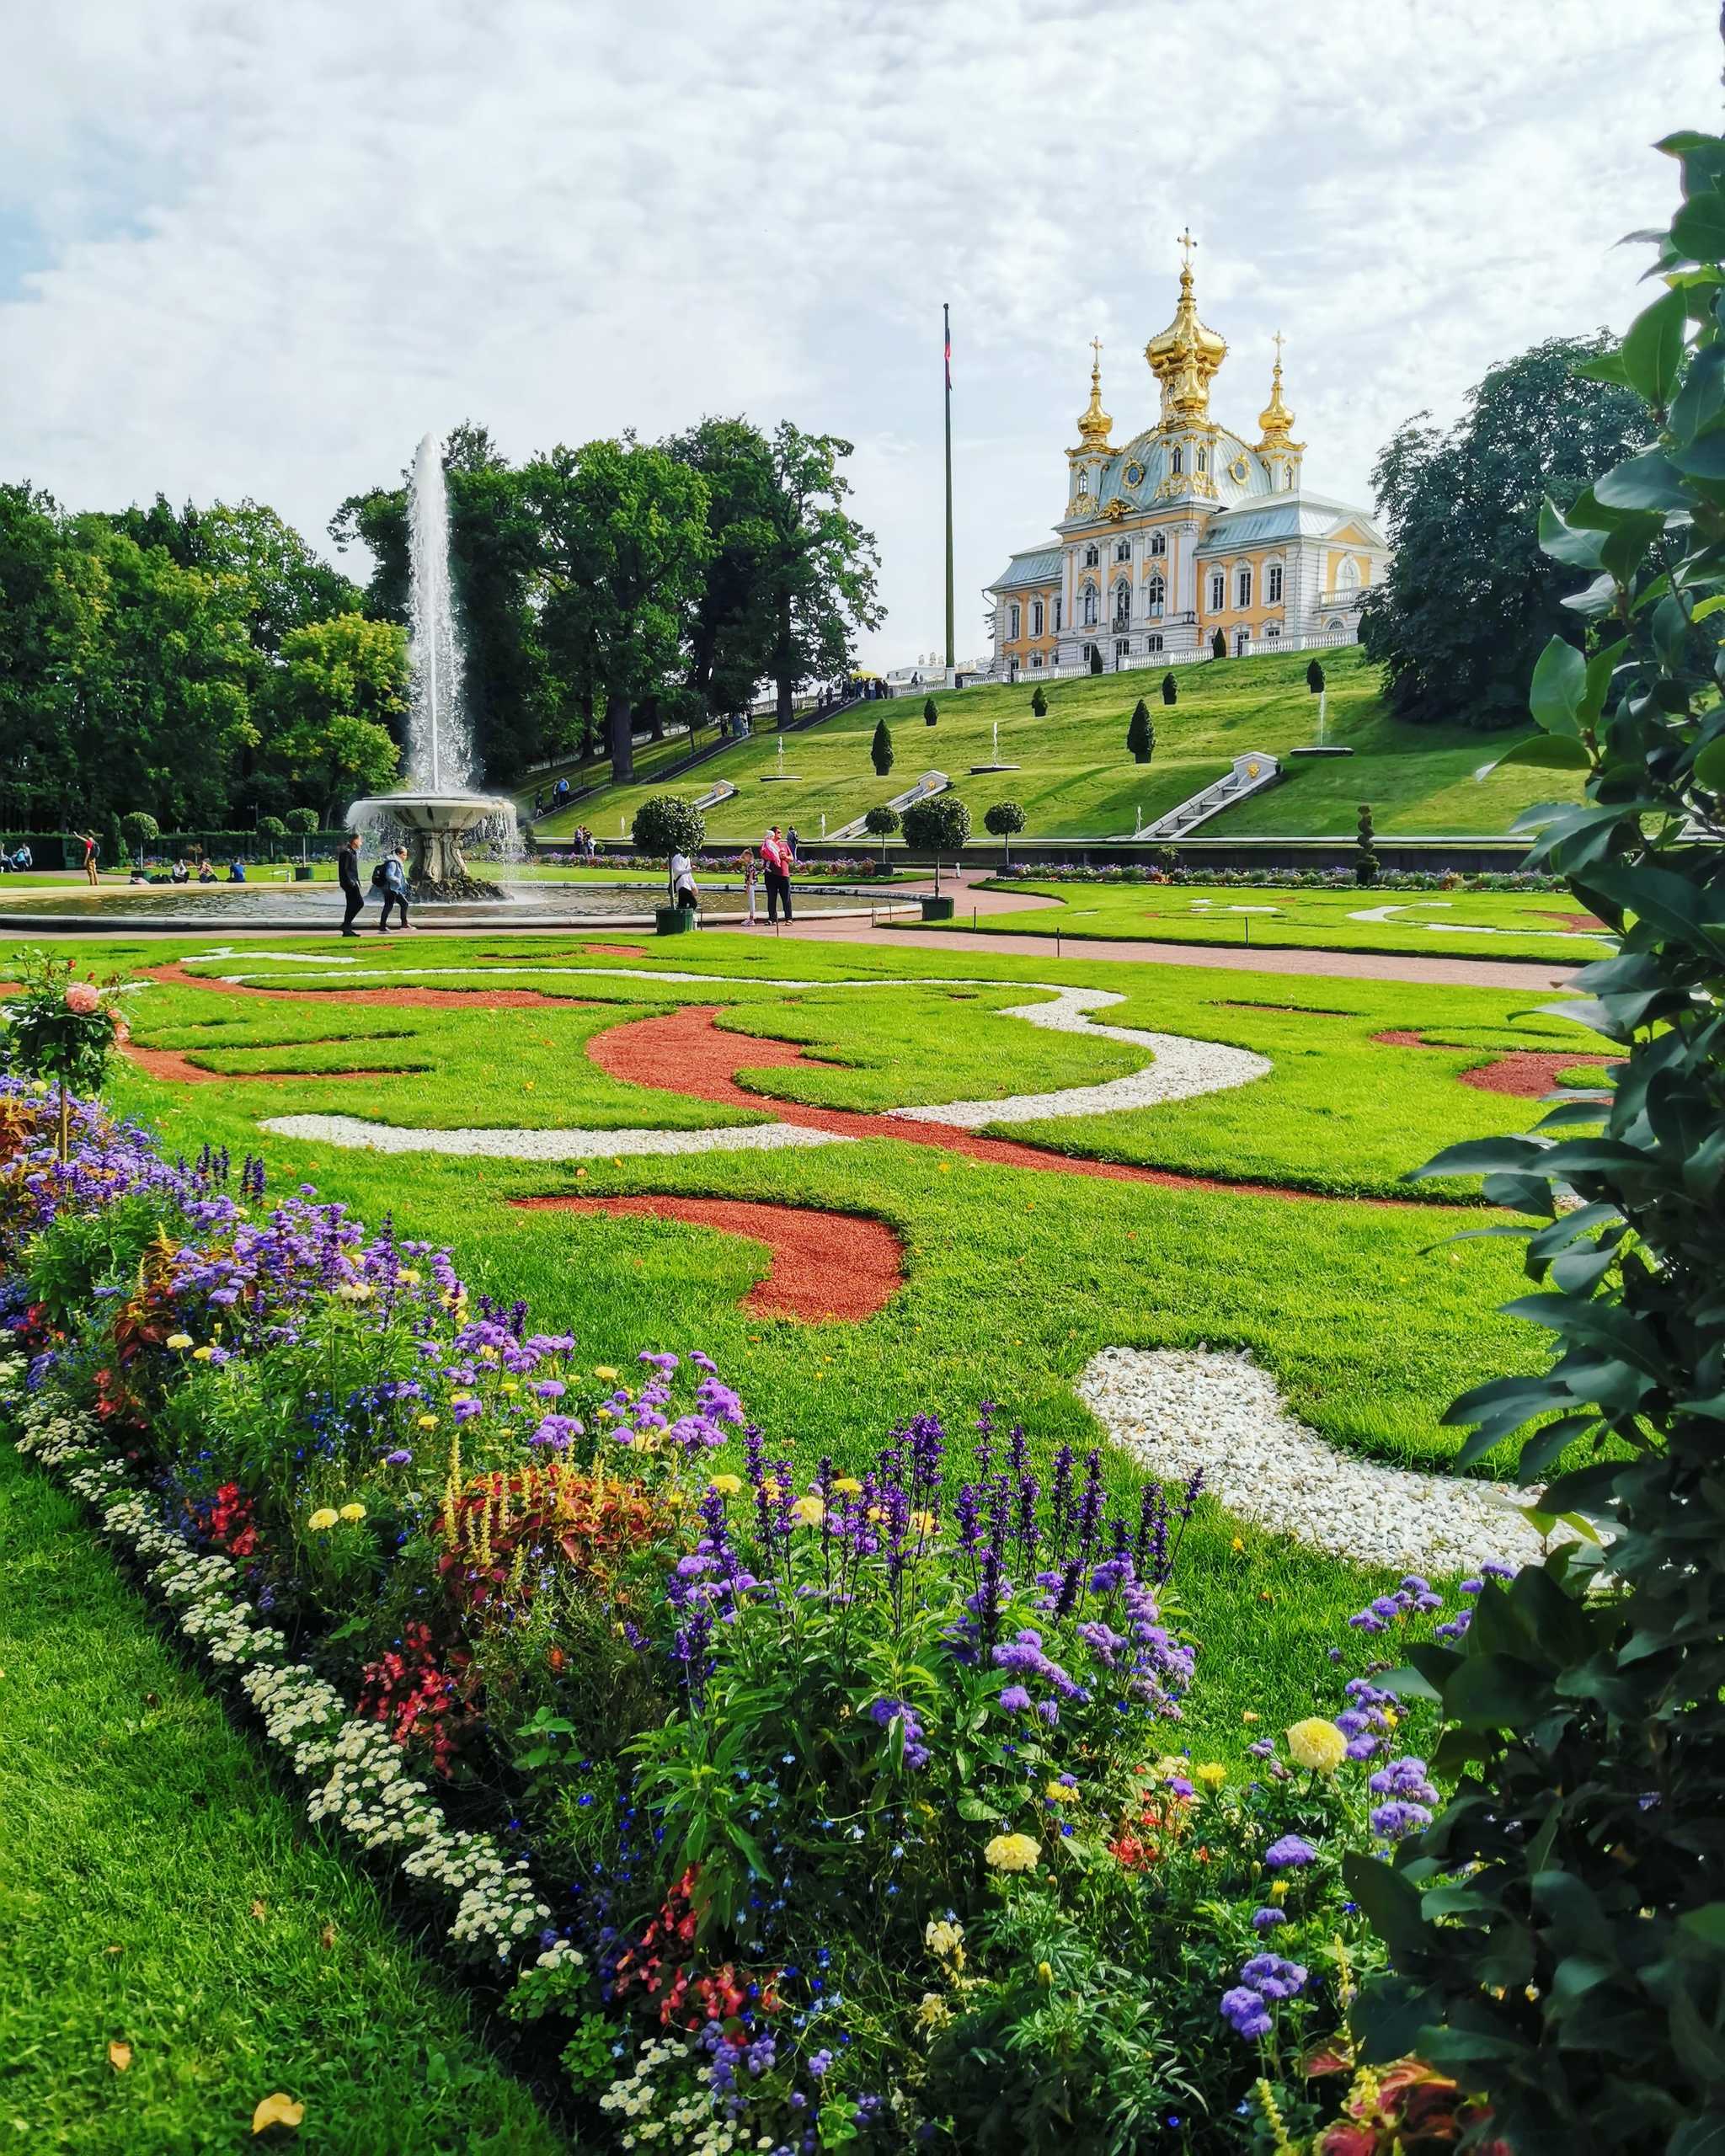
751 877
792 843
393 867
776 861
347 873
92 854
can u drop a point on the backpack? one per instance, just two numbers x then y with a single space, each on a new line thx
379 878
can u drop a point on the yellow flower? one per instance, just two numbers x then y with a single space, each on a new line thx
1045 1974
770 1488
944 1939
1061 1793
923 1523
409 1278
847 1485
1279 1893
934 2012
202 1354
1212 1774
1317 1745
727 1485
604 1371
428 1422
355 1291
1013 1853
1249 1715
1238 1543
353 1511
810 1510
325 1516
1390 1718
179 1339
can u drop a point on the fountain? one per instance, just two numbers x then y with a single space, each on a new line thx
438 806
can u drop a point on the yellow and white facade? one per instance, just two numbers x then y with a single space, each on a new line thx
1186 529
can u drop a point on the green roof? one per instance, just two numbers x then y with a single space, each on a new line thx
1041 565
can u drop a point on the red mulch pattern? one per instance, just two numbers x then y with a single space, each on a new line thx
1576 920
171 1063
390 999
618 950
685 1052
821 1265
1526 1074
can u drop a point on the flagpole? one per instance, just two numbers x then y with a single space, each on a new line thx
946 321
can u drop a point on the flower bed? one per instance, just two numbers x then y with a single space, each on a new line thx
794 1809
1167 870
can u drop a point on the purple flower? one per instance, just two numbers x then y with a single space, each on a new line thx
1289 1854
1015 1700
1396 1820
1268 1920
1272 1977
401 1457
1245 2012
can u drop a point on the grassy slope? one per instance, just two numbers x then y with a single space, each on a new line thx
1076 779
154 1891
1523 924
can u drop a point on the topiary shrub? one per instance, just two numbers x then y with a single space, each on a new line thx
1170 691
1039 702
302 821
881 822
1315 678
1140 734
1365 862
139 829
272 830
1095 659
880 749
939 825
1218 646
931 711
1004 818
667 824
1557 1930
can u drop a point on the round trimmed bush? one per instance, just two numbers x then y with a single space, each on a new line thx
139 829
941 825
303 821
1001 821
667 824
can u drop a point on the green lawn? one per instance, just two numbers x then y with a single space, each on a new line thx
1075 780
158 1891
1458 924
1015 1278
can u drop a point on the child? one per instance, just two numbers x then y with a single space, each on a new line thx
751 876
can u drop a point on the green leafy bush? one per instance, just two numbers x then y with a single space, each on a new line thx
302 821
1559 1931
939 825
139 829
668 823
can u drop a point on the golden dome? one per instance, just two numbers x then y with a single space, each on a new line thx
1185 356
1276 420
1094 424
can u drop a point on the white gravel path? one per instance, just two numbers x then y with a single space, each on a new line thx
518 1145
1178 1409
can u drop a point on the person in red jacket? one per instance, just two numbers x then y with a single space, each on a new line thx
776 863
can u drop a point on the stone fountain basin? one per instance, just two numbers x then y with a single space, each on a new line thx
434 812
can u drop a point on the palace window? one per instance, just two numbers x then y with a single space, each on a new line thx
1179 463
1242 642
1013 632
1204 459
1273 585
1156 595
1059 608
1084 482
1123 604
1121 650
1153 642
1036 617
1349 580
1091 557
1242 588
1089 616
1218 591
1123 551
1272 630
1036 659
1158 542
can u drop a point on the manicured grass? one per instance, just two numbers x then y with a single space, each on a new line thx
1458 924
1075 780
157 1892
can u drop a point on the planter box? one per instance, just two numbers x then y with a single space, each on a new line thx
939 909
674 920
302 872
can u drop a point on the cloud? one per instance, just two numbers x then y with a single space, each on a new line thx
258 250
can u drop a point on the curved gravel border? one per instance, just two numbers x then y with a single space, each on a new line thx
517 1144
1178 1409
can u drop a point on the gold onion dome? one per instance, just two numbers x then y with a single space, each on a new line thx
1185 356
1276 420
1094 424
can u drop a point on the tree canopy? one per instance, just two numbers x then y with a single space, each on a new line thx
1469 601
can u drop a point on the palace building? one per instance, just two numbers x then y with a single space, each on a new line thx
1186 529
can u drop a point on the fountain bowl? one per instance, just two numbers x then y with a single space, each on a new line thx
434 824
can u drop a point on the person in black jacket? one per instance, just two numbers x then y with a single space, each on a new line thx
347 868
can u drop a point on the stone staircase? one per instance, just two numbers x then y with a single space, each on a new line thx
929 783
1251 775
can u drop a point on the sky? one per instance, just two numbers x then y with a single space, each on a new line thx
259 250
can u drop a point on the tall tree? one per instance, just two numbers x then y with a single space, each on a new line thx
624 538
336 697
732 620
823 565
1469 601
495 558
49 617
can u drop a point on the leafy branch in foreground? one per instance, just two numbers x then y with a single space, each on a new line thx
1558 1932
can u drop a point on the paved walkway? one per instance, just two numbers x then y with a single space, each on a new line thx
1223 958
